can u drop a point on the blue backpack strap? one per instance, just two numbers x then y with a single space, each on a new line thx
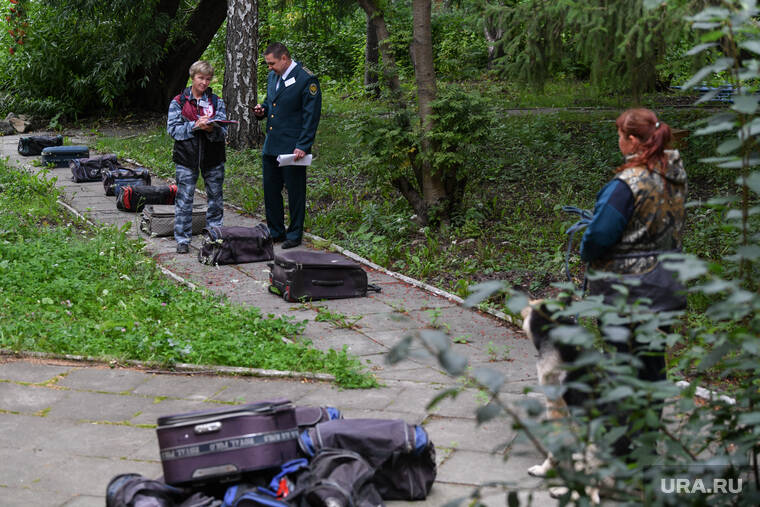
236 493
290 467
586 217
333 413
420 440
306 444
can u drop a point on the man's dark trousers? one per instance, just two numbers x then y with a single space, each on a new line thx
293 178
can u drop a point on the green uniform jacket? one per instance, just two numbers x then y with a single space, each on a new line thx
292 112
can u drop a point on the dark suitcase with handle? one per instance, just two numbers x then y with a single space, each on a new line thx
217 445
236 245
305 275
61 156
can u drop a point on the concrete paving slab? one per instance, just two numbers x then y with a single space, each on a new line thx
405 297
150 409
195 387
97 407
84 501
440 494
28 399
23 371
385 321
448 432
473 468
372 399
18 496
104 379
253 389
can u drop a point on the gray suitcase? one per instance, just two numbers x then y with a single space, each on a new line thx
158 219
60 156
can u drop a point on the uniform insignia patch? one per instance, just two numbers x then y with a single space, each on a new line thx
313 89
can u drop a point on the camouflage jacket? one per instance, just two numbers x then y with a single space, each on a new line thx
656 220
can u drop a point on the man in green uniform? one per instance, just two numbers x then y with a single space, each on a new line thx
292 107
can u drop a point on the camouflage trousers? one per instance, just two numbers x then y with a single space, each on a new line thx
213 179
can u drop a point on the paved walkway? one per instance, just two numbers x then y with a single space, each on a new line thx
67 427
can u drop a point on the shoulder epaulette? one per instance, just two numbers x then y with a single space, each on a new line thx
307 70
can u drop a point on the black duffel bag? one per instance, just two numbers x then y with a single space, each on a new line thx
91 169
33 145
402 454
236 245
123 176
134 199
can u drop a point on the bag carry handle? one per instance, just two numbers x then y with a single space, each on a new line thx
327 283
371 287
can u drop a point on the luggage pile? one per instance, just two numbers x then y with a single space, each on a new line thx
131 186
272 453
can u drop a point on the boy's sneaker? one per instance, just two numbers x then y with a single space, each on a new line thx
183 248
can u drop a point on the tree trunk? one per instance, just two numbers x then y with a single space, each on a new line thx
390 72
240 76
169 76
493 35
146 86
433 189
371 60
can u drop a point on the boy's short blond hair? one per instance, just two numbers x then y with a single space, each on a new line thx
201 67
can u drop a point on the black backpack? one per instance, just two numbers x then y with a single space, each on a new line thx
33 145
123 176
134 490
401 454
336 478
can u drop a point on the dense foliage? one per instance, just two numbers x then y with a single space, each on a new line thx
616 44
77 55
709 444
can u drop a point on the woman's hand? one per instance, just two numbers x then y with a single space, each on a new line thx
202 123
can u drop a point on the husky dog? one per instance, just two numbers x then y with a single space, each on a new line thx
538 321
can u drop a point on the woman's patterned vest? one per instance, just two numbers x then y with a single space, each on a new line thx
657 221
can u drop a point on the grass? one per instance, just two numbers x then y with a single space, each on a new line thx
510 226
68 289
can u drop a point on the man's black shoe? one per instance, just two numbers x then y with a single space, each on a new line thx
183 248
279 239
290 243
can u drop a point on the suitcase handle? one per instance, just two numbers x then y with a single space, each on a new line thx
327 283
371 287
211 427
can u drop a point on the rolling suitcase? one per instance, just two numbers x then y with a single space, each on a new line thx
158 220
217 445
236 245
305 275
60 156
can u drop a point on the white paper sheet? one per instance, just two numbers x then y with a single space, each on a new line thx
287 159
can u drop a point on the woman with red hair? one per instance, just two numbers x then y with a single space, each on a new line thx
638 216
